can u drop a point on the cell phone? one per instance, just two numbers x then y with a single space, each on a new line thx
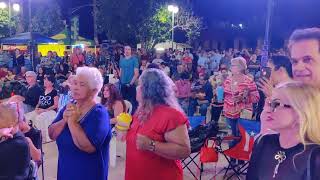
266 72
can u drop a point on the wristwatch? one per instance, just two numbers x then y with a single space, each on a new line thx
152 146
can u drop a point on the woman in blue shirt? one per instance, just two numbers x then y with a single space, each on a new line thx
82 131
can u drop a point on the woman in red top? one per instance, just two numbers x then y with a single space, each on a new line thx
158 136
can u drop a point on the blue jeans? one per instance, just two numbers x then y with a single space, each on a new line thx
193 103
233 125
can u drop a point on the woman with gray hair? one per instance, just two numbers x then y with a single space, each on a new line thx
158 136
82 130
240 93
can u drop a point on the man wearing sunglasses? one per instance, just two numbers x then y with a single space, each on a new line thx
304 48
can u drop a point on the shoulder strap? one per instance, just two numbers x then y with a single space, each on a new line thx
310 157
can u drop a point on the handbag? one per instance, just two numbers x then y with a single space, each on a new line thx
208 154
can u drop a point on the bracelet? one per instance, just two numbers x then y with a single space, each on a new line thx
153 146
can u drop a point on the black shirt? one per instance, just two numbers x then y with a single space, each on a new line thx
47 100
40 79
255 69
18 61
294 167
14 158
32 95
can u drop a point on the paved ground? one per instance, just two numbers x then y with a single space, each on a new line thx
117 173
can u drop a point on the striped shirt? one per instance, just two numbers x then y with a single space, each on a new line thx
232 90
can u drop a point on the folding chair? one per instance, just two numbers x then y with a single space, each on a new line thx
243 149
36 139
198 135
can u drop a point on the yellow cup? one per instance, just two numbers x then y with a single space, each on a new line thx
124 120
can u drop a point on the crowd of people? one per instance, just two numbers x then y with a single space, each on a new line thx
75 100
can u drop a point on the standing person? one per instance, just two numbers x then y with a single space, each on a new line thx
129 73
304 51
76 59
18 60
158 136
82 130
40 75
294 152
56 58
253 65
89 59
240 92
65 58
280 72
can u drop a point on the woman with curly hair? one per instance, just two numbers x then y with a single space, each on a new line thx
158 136
113 101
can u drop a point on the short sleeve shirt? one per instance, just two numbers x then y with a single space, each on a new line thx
127 67
145 164
74 163
47 100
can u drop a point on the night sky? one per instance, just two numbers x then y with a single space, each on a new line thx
288 15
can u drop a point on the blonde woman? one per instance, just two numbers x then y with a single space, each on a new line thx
294 115
14 150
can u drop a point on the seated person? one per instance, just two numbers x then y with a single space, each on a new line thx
3 73
14 149
21 76
202 95
31 97
45 111
183 90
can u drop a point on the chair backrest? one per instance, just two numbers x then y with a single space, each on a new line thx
248 131
128 106
196 120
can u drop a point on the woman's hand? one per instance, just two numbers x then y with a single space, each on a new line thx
72 113
265 86
143 142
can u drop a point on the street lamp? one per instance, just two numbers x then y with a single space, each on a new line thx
3 5
174 9
16 7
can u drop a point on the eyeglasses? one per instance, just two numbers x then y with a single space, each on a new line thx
274 104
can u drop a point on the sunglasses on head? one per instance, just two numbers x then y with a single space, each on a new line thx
274 104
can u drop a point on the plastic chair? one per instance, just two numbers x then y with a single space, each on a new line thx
128 106
243 149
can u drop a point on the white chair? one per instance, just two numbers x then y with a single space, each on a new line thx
128 106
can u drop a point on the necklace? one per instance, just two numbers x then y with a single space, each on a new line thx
280 157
